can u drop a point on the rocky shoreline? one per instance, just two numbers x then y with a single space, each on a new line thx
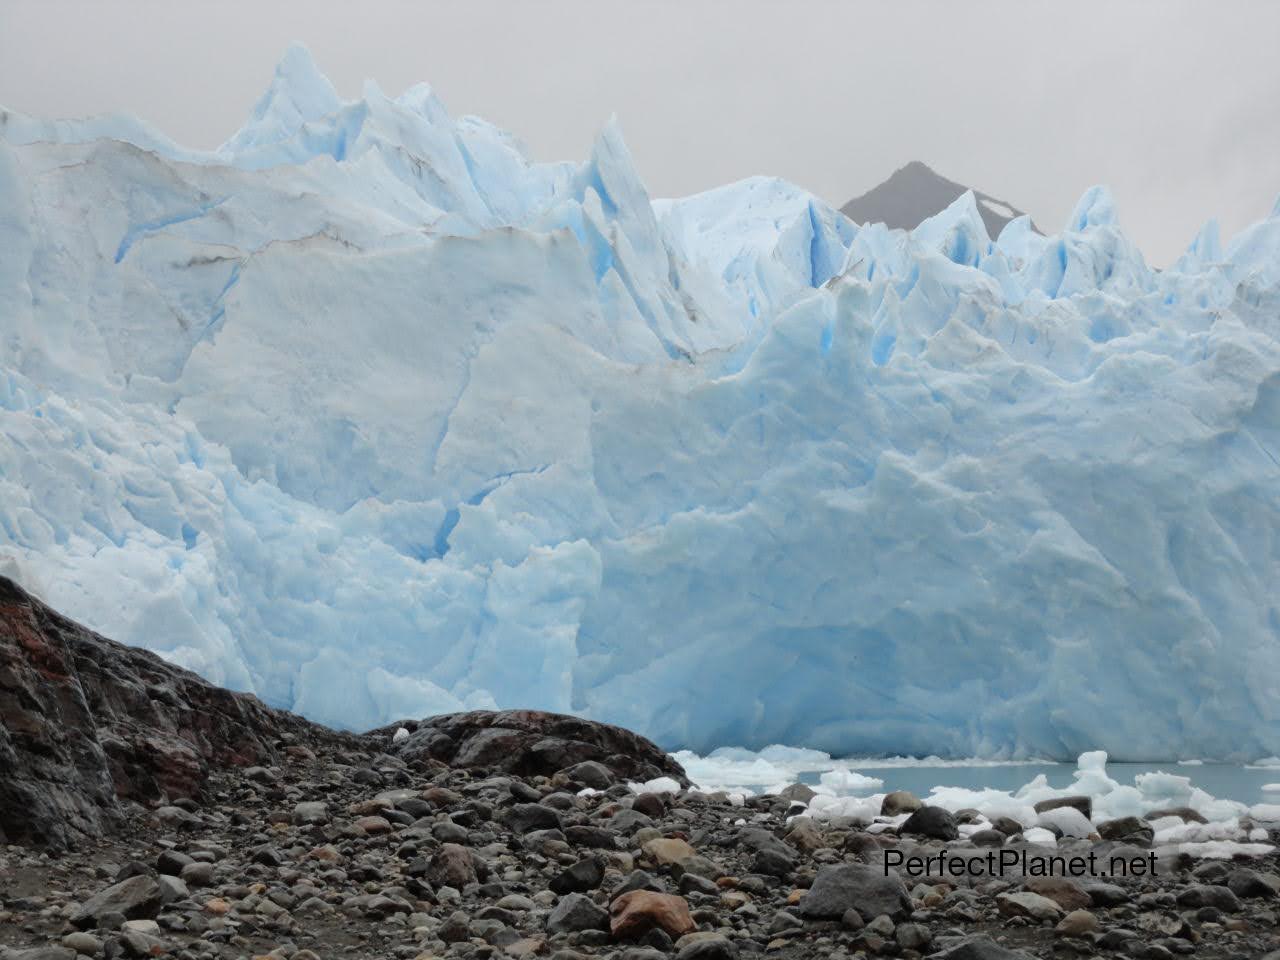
515 834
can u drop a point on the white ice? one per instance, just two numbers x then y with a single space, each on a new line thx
371 415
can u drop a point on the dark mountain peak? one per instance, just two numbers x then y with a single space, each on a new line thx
915 192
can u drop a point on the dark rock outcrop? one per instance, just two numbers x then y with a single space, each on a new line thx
532 742
86 723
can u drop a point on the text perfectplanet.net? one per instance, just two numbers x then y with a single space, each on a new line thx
1023 862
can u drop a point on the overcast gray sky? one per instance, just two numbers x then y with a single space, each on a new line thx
1175 105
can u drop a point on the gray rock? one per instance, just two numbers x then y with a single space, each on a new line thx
805 834
598 838
650 804
138 898
1006 825
1211 871
446 831
577 912
526 817
141 945
981 948
198 874
913 936
785 920
1028 904
172 889
1127 830
865 888
932 822
692 883
640 880
85 944
586 874
629 821
171 862
799 792
1103 894
899 802
1244 882
881 926
592 773
310 811
1208 895
711 948
771 863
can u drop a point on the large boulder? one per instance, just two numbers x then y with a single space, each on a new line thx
576 912
934 822
137 898
635 913
531 743
864 888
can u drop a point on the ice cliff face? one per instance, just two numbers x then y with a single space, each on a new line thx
367 413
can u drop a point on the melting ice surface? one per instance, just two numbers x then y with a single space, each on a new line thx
845 789
371 415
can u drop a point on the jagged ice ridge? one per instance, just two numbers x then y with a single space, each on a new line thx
369 414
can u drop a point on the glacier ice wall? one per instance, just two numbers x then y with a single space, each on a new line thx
370 414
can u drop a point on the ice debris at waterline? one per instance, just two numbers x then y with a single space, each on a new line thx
1159 808
371 415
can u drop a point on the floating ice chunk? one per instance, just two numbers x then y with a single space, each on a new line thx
847 781
1164 788
1266 812
1040 836
656 785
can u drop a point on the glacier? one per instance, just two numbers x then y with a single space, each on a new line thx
370 414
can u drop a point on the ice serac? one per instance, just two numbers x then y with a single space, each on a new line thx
371 415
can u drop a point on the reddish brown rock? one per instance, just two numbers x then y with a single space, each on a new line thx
452 866
374 825
634 914
1063 891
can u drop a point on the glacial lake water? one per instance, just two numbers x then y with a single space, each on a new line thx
1224 780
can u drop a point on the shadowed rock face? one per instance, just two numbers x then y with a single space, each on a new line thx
86 722
914 193
532 742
